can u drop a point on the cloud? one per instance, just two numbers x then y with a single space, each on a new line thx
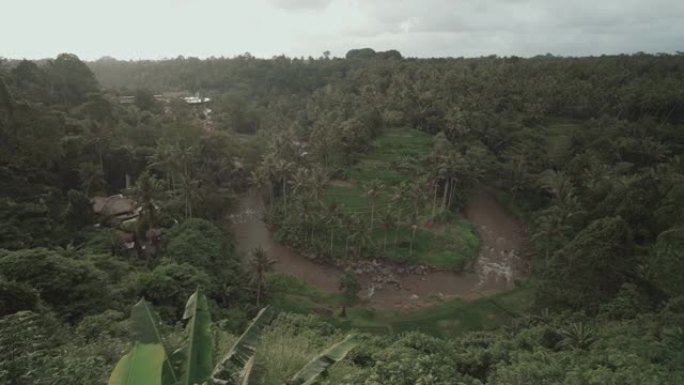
298 5
524 27
160 28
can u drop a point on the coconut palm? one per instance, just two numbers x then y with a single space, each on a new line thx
373 190
92 177
165 161
318 180
333 221
414 227
281 171
260 264
389 221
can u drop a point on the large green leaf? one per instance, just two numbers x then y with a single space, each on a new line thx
194 360
144 329
141 366
243 349
246 374
310 372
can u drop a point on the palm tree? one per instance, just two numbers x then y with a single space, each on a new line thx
416 196
281 170
398 200
92 177
260 264
165 161
318 181
414 227
348 222
333 220
260 180
578 336
372 192
388 221
301 181
147 188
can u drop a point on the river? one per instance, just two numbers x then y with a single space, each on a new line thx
503 242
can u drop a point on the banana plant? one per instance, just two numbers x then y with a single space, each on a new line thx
149 363
309 373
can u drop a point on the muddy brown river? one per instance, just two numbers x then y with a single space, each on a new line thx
503 242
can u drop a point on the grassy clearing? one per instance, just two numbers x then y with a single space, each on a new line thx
446 319
450 245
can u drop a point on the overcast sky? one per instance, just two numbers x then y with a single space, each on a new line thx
152 29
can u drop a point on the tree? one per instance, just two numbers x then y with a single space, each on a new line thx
592 266
260 264
15 297
202 244
389 220
170 283
147 188
373 190
79 212
144 100
361 53
71 79
334 219
6 101
72 287
663 265
350 287
92 178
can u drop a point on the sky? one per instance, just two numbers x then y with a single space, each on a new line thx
155 29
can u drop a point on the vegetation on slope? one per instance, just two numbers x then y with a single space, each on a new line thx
587 148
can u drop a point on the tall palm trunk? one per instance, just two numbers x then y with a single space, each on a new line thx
413 236
434 202
332 239
451 194
284 182
445 194
258 293
346 248
384 243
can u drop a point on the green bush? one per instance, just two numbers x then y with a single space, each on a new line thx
16 296
170 284
73 288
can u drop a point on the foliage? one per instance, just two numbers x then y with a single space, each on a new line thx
192 361
142 365
599 260
73 288
350 287
200 243
15 297
587 149
169 284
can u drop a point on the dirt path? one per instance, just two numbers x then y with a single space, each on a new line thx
392 286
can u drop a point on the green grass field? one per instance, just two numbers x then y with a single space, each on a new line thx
450 245
446 319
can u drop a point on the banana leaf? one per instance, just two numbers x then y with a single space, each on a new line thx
243 349
193 361
144 329
141 366
310 372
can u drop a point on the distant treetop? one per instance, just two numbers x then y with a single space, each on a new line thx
370 53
